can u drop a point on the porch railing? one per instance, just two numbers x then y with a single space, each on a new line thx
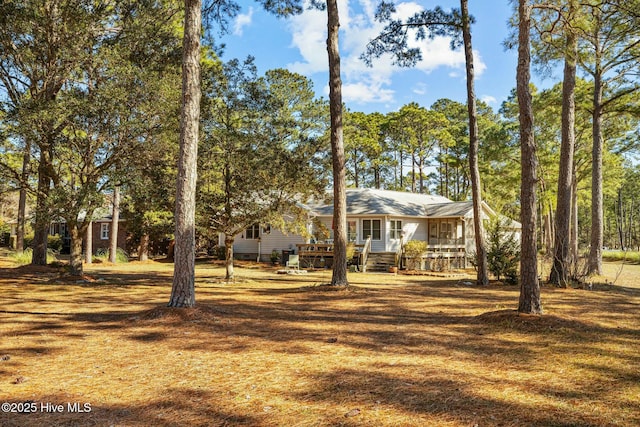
365 254
446 242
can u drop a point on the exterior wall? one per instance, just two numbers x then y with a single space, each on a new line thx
274 239
447 233
98 242
376 245
412 229
470 237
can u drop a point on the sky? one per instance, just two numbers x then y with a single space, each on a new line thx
299 44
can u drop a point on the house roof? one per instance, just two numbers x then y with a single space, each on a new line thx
368 201
450 209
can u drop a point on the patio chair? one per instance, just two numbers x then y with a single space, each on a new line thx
293 263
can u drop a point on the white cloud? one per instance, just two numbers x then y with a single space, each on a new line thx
420 89
242 21
309 34
363 92
357 27
488 99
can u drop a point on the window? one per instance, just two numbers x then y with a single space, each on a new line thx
446 231
396 229
253 232
351 231
371 227
104 231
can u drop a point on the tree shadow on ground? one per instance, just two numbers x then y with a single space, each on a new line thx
434 396
176 406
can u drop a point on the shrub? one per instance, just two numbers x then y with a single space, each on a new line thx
102 255
615 255
24 258
53 242
503 250
413 250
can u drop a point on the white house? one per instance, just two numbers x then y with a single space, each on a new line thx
382 219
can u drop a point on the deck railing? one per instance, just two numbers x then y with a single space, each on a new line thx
365 254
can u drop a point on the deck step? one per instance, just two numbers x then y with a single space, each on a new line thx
380 261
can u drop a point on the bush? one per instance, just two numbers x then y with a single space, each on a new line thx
24 258
413 250
503 250
220 252
615 255
102 255
53 242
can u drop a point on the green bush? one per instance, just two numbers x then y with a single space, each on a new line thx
24 258
628 256
53 242
413 250
503 250
102 255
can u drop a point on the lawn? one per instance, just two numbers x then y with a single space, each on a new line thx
276 350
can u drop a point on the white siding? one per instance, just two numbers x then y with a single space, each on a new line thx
278 240
412 229
274 240
470 236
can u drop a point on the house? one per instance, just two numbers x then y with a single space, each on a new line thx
100 229
379 223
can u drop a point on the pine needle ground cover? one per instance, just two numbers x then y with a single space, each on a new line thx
274 350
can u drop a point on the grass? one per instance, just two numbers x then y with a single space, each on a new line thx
102 255
24 257
628 256
273 350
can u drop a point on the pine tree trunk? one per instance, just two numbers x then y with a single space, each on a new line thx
481 253
228 257
339 277
561 256
401 170
22 200
75 257
575 252
88 245
620 220
43 221
115 217
550 232
183 290
597 205
143 248
529 286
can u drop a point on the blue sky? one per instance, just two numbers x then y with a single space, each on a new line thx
298 44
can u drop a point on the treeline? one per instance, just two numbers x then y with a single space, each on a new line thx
91 99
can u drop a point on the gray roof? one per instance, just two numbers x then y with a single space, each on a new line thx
368 201
451 209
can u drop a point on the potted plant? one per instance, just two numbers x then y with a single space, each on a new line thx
275 257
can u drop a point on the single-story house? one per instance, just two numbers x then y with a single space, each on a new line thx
379 223
100 231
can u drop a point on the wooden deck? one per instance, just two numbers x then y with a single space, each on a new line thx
314 255
439 258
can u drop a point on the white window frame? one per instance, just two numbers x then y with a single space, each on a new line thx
446 231
104 231
352 231
395 229
370 230
252 232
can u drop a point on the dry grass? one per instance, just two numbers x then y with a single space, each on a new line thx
273 350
